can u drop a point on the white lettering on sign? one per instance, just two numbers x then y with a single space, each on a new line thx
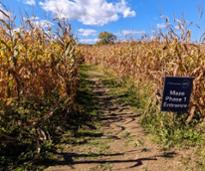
165 104
177 93
173 99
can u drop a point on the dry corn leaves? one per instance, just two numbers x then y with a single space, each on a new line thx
153 61
34 66
38 71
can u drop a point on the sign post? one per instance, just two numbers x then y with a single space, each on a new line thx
176 95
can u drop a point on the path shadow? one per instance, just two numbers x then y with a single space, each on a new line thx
69 159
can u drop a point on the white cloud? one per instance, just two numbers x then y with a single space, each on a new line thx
39 23
163 25
164 17
88 41
43 24
4 14
88 12
177 27
132 32
30 2
122 7
87 32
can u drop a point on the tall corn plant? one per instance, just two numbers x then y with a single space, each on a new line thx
171 53
38 79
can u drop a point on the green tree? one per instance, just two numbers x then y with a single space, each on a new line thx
106 38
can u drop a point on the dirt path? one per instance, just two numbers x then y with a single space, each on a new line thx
123 144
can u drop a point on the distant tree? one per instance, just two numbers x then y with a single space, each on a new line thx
106 38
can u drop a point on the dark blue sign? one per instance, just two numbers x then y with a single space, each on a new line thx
176 95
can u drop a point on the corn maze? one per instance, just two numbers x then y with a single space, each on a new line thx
153 60
38 82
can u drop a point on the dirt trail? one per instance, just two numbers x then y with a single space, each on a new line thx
123 144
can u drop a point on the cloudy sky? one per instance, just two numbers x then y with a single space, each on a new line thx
125 18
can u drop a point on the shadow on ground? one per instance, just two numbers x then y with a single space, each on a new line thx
69 159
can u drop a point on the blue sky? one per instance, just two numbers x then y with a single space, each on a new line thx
125 18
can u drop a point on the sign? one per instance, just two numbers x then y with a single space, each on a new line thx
176 95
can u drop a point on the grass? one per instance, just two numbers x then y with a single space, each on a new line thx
100 145
87 120
80 130
125 89
169 129
85 133
85 97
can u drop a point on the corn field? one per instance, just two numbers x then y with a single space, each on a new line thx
38 80
151 60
